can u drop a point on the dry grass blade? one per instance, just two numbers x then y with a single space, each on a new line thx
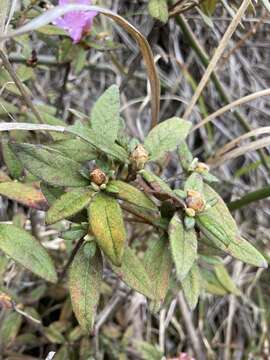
3 15
219 51
143 44
230 106
235 142
258 144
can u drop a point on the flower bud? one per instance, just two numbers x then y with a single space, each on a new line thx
201 168
139 157
98 177
195 201
190 212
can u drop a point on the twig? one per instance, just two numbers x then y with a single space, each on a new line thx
221 47
72 255
196 342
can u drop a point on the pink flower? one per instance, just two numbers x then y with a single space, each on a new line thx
77 23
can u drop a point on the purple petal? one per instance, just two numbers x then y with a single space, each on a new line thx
76 34
76 22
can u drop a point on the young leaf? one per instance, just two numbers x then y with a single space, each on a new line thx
156 183
69 204
185 155
211 283
133 273
158 264
26 250
191 286
194 182
50 165
166 136
106 221
24 194
129 193
98 142
158 9
183 246
85 278
105 115
225 279
75 149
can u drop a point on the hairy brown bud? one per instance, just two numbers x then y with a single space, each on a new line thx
195 201
98 177
139 157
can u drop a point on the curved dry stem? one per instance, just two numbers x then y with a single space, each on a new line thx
143 44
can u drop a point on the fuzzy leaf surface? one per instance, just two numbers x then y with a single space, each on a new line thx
134 274
106 221
131 194
105 114
85 278
191 286
50 165
166 136
25 194
183 245
27 251
69 204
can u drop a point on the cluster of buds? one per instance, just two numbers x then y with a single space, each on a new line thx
139 157
98 179
195 203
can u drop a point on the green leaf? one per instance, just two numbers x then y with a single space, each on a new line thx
158 9
185 155
10 326
134 274
225 279
113 150
158 264
166 136
85 278
221 230
148 351
105 115
106 220
211 283
51 30
69 204
194 182
12 162
183 246
24 194
50 165
26 250
129 193
156 183
75 149
51 193
191 286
